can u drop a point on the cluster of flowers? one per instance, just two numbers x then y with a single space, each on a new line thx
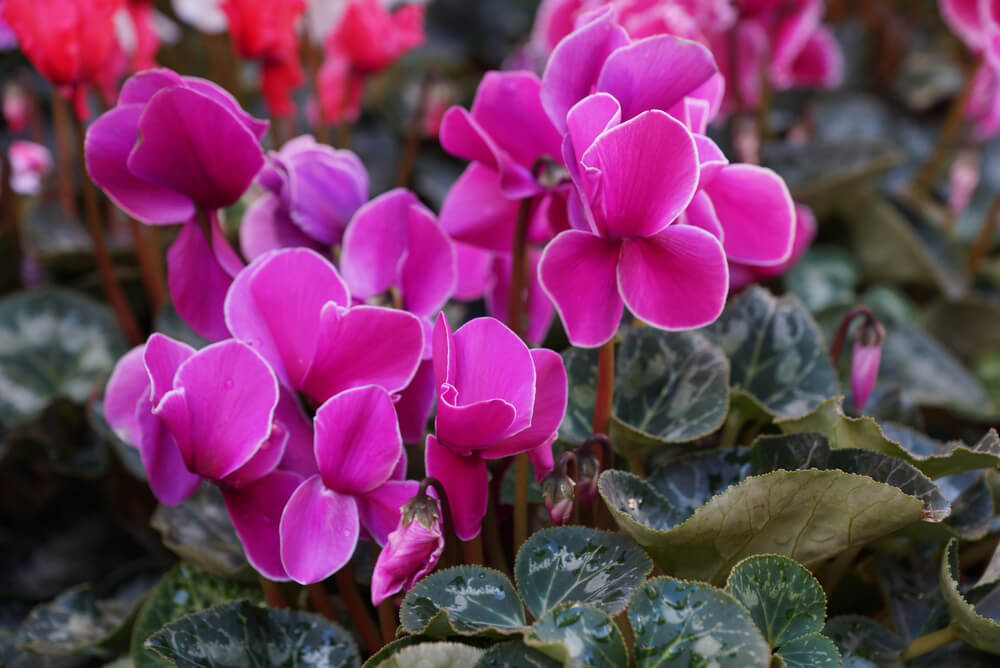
977 22
318 373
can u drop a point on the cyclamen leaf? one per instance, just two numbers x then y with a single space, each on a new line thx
825 276
864 642
783 598
975 616
465 600
53 343
581 374
689 482
437 654
581 565
579 635
776 352
807 515
910 588
241 633
200 532
679 624
516 653
810 651
72 622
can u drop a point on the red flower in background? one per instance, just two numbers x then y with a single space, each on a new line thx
70 42
264 30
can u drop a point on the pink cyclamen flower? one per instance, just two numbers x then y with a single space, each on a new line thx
742 275
963 178
208 414
313 190
496 398
293 308
412 549
557 493
30 163
357 447
865 358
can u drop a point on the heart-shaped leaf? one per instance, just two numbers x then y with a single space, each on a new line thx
670 387
689 482
181 592
581 374
776 352
807 515
579 565
809 651
436 654
465 600
784 599
200 532
975 615
516 653
241 633
864 642
53 343
74 621
678 624
579 635
825 276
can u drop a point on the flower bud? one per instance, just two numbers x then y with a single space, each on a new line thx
589 470
557 491
865 358
412 550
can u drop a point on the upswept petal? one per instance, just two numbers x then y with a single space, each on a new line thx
472 426
357 440
128 384
256 514
465 481
299 454
162 357
701 213
256 126
429 271
711 160
198 283
166 472
542 461
375 244
415 404
677 279
473 266
443 352
578 271
319 530
379 508
138 89
267 227
263 462
325 188
475 210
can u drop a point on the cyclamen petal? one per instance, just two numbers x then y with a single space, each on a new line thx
198 283
475 211
127 385
267 227
411 553
256 511
168 476
162 357
466 482
379 509
473 425
865 361
415 404
319 531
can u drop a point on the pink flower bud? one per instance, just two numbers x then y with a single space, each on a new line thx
865 358
30 163
557 491
589 467
412 550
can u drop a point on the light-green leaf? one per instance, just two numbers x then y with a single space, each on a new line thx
465 600
975 616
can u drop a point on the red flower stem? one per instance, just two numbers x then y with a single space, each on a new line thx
522 471
320 599
838 339
450 548
472 551
411 144
937 160
387 621
605 387
147 253
491 535
11 220
61 125
344 128
981 246
356 607
518 269
272 593
105 269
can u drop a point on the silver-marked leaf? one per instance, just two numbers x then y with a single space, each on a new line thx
670 387
581 374
465 600
200 532
405 641
679 624
825 276
579 635
181 592
784 599
645 505
433 655
53 343
975 616
72 622
516 653
689 482
240 633
909 585
807 515
864 643
776 352
580 565
810 651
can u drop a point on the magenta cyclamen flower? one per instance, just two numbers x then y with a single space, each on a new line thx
172 145
208 415
412 549
865 359
496 398
313 190
293 308
357 448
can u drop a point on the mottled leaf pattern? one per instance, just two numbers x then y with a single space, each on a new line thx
516 653
465 600
579 635
199 531
810 651
75 620
862 641
689 482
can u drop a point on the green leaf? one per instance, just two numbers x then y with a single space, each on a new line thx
516 653
825 276
689 482
784 599
395 646
579 635
581 374
181 592
961 325
864 643
465 600
670 387
72 622
971 509
241 633
807 515
776 352
679 624
975 617
909 585
53 343
934 461
581 565
434 655
200 532
810 651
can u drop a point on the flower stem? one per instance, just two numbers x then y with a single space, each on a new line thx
272 593
981 246
411 144
473 551
147 252
732 428
61 125
522 469
491 536
105 269
320 600
838 339
387 621
605 387
928 643
518 269
637 463
10 223
356 607
935 163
